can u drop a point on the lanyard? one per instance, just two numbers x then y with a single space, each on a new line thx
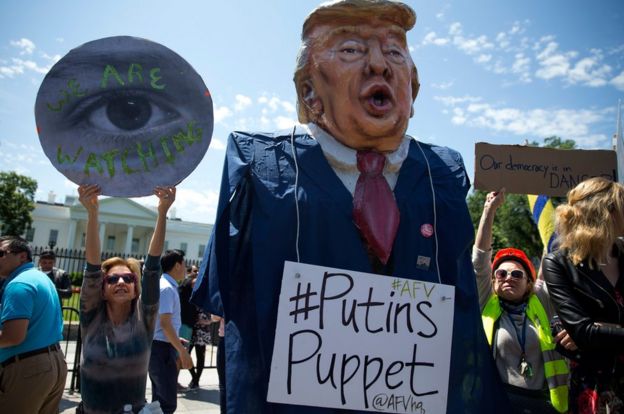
524 366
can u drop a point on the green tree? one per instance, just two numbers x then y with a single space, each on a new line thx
513 224
17 195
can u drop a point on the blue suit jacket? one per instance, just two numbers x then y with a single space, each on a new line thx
255 232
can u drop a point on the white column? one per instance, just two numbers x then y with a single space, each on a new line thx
102 232
129 240
71 234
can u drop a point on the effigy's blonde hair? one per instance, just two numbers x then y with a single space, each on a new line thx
590 221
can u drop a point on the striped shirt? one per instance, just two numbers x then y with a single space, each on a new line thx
114 362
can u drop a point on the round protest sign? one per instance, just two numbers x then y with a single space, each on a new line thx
125 113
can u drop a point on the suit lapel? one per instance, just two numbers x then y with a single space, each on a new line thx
314 165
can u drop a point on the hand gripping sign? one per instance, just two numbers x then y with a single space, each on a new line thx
360 341
125 113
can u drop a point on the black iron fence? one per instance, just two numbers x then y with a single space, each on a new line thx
73 262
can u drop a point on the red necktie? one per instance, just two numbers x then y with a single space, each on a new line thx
374 208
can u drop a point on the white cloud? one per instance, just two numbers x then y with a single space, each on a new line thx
283 122
455 100
432 39
217 144
275 104
242 102
576 124
618 81
553 63
483 58
587 71
26 45
19 66
510 52
220 113
198 206
472 45
442 85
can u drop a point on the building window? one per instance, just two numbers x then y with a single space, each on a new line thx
184 247
53 238
110 243
83 240
30 234
200 252
166 244
135 246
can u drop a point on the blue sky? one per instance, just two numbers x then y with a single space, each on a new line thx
494 71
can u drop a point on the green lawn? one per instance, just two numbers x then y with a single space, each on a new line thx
73 302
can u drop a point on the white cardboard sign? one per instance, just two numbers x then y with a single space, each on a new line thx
361 341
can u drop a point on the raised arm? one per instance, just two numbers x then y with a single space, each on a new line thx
482 251
91 291
150 292
88 196
166 197
493 201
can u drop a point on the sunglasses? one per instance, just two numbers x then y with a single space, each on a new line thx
126 277
5 252
502 274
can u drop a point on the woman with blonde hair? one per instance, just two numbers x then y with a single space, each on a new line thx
118 310
585 281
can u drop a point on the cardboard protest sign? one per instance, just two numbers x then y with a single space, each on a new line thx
361 341
125 113
535 170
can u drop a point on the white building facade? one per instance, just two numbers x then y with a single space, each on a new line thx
125 227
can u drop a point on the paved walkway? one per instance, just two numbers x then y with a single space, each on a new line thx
204 400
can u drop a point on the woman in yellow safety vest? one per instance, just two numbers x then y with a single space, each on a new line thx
516 313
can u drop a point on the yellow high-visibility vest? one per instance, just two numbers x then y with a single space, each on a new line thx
555 367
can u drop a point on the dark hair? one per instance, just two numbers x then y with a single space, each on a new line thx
170 258
17 245
48 254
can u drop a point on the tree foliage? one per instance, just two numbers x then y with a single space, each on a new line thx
513 224
17 201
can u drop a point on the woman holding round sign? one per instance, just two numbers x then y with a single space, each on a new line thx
118 309
121 116
586 285
516 314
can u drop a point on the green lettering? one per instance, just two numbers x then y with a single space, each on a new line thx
145 155
170 157
124 164
135 70
74 88
108 71
155 77
190 136
93 162
63 158
109 157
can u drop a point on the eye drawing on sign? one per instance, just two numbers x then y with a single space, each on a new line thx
126 114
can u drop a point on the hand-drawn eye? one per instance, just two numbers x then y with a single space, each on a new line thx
126 111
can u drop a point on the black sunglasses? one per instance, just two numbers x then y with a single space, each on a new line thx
4 252
502 274
126 277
